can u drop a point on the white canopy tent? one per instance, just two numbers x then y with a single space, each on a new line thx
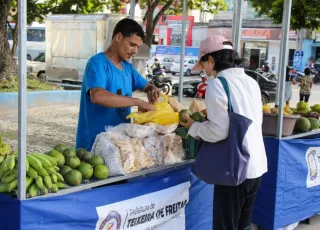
22 15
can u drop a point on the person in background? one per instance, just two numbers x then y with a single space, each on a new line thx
232 204
288 86
305 86
266 66
156 66
108 82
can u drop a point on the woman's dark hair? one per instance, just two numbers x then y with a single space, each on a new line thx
307 71
128 27
224 59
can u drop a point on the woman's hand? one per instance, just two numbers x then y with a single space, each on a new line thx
188 122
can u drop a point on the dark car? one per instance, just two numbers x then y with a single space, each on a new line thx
268 87
189 88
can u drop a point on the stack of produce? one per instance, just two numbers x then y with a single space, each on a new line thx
78 166
47 173
267 110
304 110
42 174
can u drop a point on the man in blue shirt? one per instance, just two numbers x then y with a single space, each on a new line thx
108 83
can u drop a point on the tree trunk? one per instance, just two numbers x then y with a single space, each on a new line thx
15 37
149 28
152 22
8 66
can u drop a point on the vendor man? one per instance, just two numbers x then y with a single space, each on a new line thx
108 83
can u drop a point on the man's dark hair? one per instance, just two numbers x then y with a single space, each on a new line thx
307 71
128 27
224 59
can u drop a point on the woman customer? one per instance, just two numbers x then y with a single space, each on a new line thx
288 86
232 204
305 86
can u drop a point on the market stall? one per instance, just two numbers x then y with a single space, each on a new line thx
64 188
168 195
289 191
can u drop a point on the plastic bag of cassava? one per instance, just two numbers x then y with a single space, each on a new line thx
163 129
163 114
110 153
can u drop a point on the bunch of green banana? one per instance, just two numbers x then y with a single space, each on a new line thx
5 149
43 169
42 174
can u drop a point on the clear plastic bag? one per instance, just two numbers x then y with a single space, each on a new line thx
142 159
154 147
163 115
127 155
163 129
127 130
110 153
173 149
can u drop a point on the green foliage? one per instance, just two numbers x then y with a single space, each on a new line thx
169 7
304 13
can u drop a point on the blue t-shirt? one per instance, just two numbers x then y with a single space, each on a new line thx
102 73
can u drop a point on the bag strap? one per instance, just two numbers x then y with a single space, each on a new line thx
227 90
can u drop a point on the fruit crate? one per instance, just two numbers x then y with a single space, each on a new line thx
190 144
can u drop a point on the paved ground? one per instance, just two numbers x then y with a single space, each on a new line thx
50 125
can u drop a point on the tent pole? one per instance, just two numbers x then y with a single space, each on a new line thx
22 97
183 47
284 60
237 25
132 8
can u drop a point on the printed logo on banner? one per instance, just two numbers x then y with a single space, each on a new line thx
111 222
313 162
159 210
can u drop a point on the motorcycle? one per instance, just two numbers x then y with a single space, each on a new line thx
202 87
159 80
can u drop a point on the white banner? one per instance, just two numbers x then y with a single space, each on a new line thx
313 161
161 210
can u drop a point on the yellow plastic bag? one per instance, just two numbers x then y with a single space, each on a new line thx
163 115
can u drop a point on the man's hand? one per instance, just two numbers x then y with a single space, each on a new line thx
153 95
152 92
144 106
189 121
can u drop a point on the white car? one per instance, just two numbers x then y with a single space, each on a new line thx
37 66
164 61
187 69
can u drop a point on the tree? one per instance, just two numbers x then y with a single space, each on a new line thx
173 7
7 63
304 13
36 12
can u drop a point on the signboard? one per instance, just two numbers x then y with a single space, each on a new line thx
162 210
297 60
175 51
313 162
252 34
176 24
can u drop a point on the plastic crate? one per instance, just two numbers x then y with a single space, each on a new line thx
190 144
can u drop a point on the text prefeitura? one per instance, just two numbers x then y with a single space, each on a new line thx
166 211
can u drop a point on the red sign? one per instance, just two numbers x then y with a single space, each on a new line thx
252 34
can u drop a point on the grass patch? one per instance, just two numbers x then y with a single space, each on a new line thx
32 85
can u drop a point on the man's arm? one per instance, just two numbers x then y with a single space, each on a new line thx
107 99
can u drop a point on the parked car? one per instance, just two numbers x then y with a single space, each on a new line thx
189 88
164 61
268 87
37 66
188 65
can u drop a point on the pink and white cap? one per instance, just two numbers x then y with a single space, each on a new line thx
209 45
